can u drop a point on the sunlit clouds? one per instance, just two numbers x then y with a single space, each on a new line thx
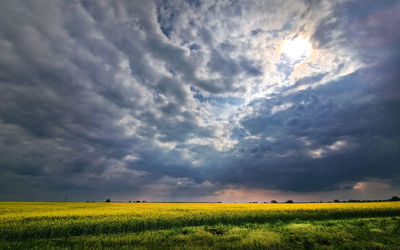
297 49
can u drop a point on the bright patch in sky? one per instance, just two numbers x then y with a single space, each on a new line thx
297 49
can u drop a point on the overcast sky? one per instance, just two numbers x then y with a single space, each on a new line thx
193 100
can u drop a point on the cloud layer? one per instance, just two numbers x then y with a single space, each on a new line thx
193 100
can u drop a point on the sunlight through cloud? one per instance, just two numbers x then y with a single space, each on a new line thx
297 49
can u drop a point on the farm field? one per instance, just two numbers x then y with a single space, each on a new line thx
199 225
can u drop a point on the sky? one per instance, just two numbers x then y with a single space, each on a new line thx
193 100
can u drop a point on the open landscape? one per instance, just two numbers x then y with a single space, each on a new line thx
190 124
45 225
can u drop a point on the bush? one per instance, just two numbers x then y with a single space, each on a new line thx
289 201
274 201
108 200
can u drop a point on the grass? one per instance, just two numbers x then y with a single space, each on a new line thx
200 225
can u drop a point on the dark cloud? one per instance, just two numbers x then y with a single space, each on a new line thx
182 99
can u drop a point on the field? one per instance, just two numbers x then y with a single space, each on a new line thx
199 225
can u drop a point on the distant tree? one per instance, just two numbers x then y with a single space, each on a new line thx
289 201
108 200
394 198
336 200
274 201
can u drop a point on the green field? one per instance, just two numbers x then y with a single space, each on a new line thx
200 225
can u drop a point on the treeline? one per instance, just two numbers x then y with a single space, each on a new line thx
394 198
109 200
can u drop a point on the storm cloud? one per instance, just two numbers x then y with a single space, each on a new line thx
184 100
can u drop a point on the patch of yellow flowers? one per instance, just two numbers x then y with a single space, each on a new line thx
58 219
